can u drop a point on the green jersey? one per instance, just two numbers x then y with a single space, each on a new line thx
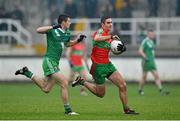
148 46
56 38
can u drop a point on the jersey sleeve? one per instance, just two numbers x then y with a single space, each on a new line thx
142 46
98 33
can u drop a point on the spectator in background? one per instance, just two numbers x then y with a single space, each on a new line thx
177 7
18 14
3 26
109 10
118 5
57 3
54 13
70 8
91 8
126 12
153 8
112 2
106 8
3 14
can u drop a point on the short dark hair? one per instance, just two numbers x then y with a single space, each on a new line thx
62 17
103 18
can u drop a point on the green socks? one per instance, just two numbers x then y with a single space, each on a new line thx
28 74
82 82
67 108
125 107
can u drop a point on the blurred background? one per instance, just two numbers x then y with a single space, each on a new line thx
20 44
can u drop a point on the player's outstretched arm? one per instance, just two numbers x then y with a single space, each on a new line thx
73 42
101 38
43 29
68 52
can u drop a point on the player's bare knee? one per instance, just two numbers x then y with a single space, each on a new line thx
157 78
100 94
157 81
45 90
64 84
122 86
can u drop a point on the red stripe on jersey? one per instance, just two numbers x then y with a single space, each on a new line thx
100 55
77 54
79 46
76 60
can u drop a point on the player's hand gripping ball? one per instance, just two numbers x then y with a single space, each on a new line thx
117 47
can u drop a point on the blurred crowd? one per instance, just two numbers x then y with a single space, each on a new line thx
89 8
17 13
32 13
97 8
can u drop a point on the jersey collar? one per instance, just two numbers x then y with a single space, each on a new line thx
61 30
149 38
105 30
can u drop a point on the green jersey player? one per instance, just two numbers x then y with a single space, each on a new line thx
146 50
57 37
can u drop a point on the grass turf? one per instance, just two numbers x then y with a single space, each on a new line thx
26 101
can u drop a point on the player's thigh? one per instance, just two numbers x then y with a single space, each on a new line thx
117 79
49 83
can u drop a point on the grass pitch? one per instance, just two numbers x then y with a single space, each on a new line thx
26 101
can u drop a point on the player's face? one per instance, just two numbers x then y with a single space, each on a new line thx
108 24
151 35
67 23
